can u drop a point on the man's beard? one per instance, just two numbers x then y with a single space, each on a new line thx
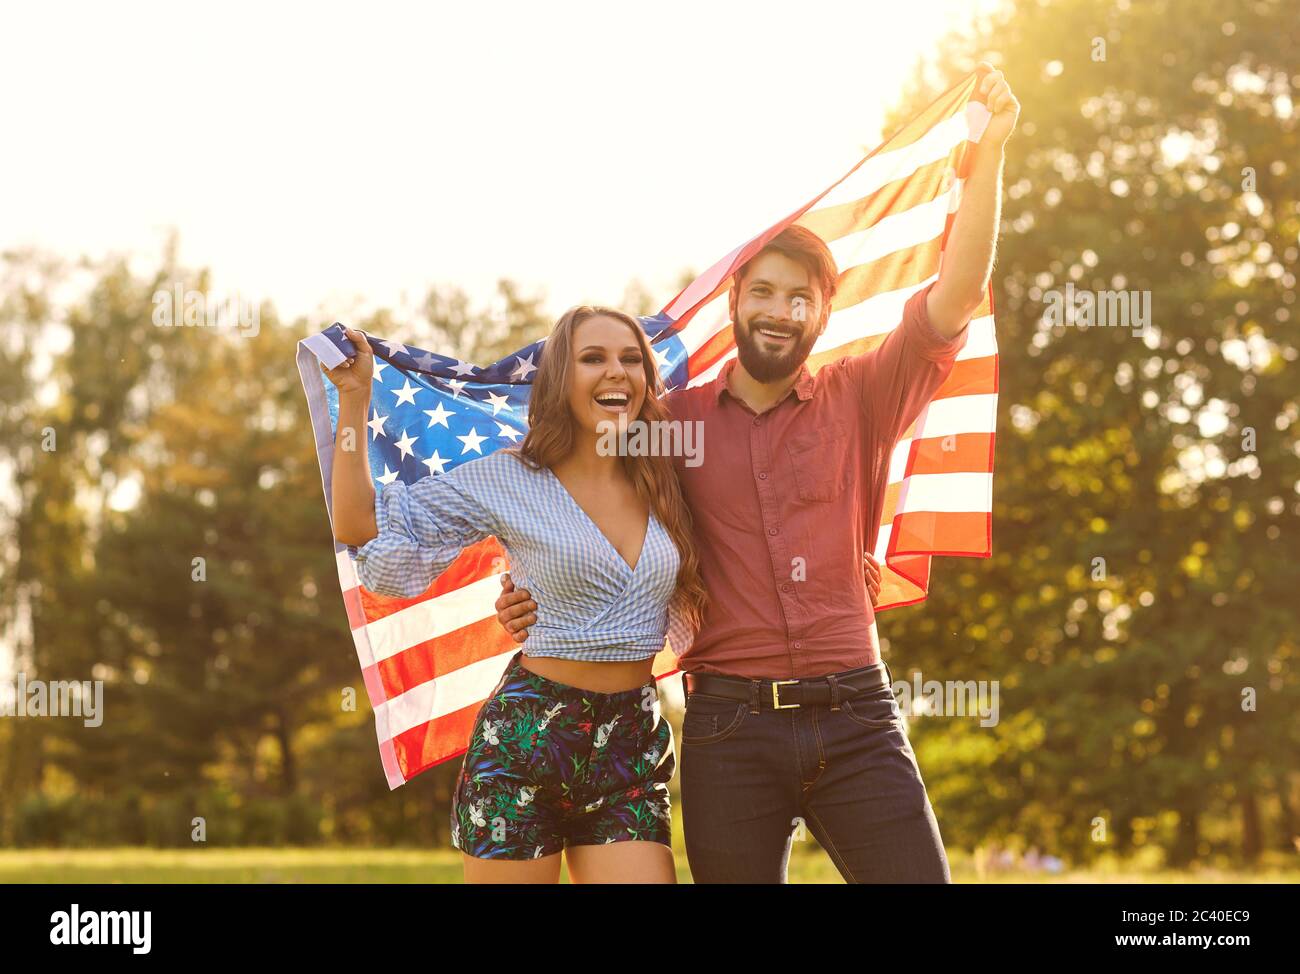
767 366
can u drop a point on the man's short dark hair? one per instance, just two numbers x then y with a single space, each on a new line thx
810 250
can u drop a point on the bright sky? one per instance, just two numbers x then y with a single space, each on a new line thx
337 158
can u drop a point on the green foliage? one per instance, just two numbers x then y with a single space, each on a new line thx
1142 562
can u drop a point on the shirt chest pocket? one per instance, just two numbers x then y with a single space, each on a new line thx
822 461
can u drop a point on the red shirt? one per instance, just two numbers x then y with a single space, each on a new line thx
785 501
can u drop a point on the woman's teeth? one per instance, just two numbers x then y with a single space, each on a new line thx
616 402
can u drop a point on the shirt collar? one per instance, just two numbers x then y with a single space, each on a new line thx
803 386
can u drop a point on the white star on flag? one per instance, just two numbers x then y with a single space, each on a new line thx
405 394
376 424
394 348
404 444
438 415
435 461
472 441
509 432
524 367
498 402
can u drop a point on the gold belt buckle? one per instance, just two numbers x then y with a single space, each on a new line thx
776 695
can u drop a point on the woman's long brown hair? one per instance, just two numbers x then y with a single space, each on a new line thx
551 437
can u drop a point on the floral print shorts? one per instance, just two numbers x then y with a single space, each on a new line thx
551 765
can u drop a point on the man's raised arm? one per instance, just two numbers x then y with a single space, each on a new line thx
968 255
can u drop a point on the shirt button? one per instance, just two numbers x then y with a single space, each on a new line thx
762 476
798 645
786 587
771 530
757 421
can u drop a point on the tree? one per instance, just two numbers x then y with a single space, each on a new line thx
1145 497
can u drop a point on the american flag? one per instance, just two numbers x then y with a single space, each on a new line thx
429 662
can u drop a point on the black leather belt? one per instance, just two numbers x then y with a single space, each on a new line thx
786 694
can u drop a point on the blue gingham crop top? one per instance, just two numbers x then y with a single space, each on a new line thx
591 605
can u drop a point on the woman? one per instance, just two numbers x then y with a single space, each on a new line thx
570 751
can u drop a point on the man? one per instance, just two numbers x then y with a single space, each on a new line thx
790 716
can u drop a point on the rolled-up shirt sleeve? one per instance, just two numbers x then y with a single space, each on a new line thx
902 374
423 527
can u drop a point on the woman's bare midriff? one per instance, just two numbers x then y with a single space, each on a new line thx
609 677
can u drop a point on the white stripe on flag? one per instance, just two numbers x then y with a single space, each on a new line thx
433 617
877 315
951 493
898 231
897 164
882 541
325 350
982 341
454 691
959 414
971 413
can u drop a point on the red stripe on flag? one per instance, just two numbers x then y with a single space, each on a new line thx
905 268
964 533
969 377
435 741
444 654
920 186
708 354
958 453
481 560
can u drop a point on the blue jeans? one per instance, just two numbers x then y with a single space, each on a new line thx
752 778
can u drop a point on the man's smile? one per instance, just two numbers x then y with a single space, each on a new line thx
775 335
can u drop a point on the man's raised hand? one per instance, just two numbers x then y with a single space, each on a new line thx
997 95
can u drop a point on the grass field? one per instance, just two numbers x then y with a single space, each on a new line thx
808 864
